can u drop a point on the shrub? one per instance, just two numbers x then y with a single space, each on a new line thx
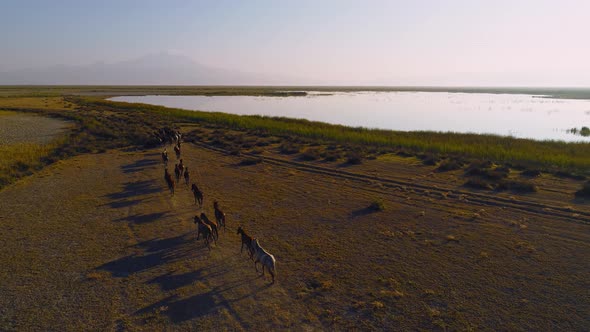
289 148
377 205
262 142
479 184
513 185
532 173
429 160
517 185
235 151
354 158
485 170
311 154
404 153
477 165
449 165
250 161
332 155
585 191
569 175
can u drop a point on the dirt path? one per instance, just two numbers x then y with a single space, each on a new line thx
97 243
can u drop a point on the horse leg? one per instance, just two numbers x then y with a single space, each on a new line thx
251 252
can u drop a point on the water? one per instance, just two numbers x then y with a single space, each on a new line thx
523 116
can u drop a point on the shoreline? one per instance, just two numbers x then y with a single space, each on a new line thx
236 90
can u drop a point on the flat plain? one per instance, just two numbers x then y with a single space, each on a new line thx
95 241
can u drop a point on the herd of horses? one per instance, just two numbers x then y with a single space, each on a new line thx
207 228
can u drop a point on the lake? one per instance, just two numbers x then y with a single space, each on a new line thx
517 115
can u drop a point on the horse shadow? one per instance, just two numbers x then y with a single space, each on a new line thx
170 281
138 165
123 203
180 310
156 252
170 243
363 212
143 218
132 189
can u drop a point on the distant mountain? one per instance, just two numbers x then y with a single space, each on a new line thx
154 69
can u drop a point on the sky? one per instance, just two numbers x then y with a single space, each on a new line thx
370 42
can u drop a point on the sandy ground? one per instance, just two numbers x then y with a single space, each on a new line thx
97 242
24 128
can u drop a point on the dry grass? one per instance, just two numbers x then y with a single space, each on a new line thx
46 103
22 159
127 246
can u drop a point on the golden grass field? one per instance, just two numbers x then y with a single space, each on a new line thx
96 242
24 140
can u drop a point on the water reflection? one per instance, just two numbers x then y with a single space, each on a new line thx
515 115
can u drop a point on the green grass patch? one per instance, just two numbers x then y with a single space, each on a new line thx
550 155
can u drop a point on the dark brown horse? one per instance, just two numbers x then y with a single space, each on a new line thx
211 223
219 215
177 150
181 167
204 229
246 241
169 181
177 172
186 176
198 194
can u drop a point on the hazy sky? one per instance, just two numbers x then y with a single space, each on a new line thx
413 42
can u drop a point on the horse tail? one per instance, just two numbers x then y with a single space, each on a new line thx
274 266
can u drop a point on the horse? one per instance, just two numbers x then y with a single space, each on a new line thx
198 194
219 215
165 157
177 172
169 181
211 223
204 229
265 258
186 176
246 240
177 150
181 167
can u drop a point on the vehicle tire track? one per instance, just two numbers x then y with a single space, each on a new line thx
488 200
